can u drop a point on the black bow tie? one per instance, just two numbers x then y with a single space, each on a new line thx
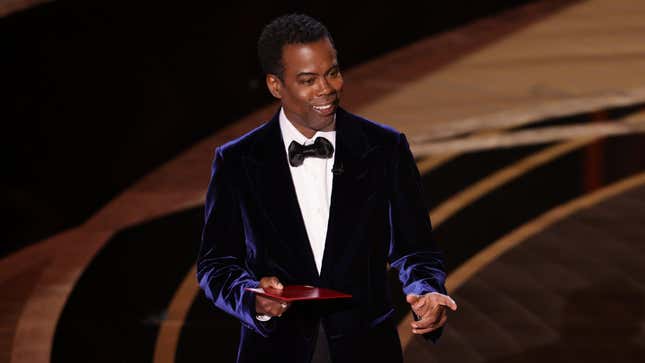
321 148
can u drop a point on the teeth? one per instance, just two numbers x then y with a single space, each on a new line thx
323 108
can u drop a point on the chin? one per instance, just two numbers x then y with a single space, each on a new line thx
325 124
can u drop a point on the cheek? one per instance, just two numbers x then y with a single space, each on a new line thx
295 99
338 84
304 98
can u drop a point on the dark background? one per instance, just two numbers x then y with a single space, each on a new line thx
97 94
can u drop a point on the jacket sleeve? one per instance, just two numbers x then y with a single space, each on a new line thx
413 251
221 267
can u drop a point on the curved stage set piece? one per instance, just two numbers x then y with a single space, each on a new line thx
535 159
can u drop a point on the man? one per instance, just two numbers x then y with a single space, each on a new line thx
317 196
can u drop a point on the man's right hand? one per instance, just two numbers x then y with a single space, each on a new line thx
267 306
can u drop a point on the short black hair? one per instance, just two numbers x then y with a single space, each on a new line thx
284 30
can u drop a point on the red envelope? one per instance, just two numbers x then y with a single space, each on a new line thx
299 292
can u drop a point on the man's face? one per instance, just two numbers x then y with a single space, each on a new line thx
310 91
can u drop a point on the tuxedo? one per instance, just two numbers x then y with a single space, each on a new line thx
254 228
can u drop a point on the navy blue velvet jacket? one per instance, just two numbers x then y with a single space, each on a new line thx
253 228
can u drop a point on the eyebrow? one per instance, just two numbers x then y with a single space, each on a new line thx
306 74
315 74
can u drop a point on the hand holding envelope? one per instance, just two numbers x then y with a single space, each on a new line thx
266 305
273 299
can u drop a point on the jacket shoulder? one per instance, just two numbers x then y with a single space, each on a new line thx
376 132
243 144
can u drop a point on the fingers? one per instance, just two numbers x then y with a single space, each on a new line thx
432 309
411 298
436 298
417 303
429 319
268 306
429 323
271 307
284 306
271 282
446 300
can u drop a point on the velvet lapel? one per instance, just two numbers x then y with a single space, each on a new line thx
268 168
350 190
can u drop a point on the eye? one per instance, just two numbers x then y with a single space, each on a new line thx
334 73
307 81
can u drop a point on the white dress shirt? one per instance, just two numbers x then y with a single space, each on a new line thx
313 183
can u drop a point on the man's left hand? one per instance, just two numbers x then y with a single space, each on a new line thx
431 309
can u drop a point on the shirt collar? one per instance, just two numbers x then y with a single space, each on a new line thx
291 133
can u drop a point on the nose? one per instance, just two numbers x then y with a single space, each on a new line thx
324 87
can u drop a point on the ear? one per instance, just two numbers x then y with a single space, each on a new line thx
274 84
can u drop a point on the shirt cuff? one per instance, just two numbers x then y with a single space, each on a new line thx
262 317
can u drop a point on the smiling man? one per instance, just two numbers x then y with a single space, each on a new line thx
318 196
309 85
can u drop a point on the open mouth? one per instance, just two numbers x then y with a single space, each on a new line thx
325 109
